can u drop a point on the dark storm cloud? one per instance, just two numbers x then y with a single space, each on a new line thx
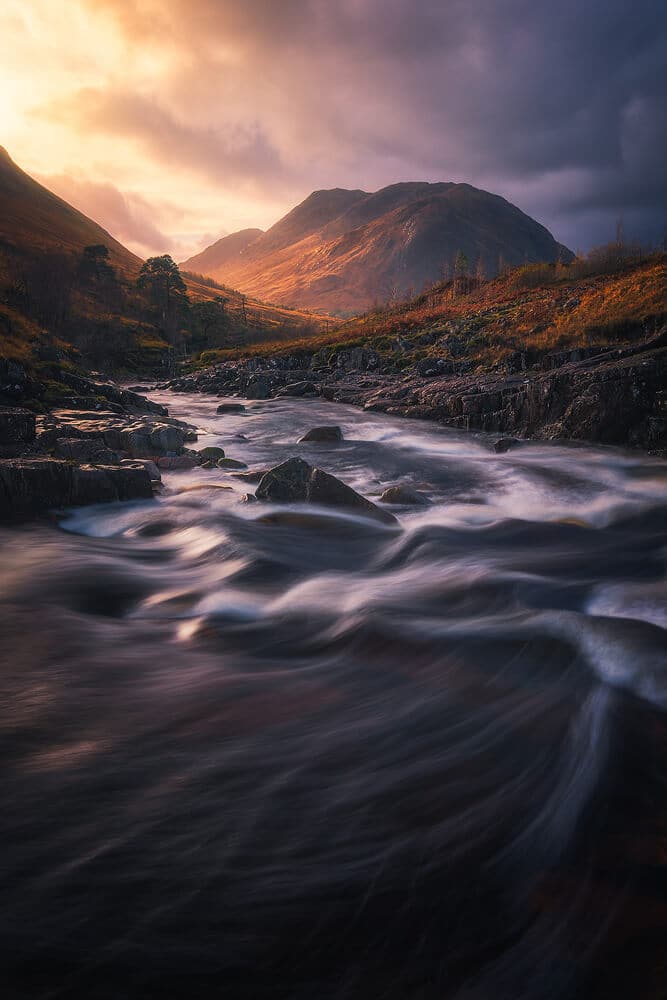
560 107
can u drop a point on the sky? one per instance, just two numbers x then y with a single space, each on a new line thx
173 122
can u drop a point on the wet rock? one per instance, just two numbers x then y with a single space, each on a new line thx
83 450
143 463
211 454
297 389
506 444
177 462
230 463
248 498
295 481
29 486
231 408
17 430
332 433
251 477
258 388
404 494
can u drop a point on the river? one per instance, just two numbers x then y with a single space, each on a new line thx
249 753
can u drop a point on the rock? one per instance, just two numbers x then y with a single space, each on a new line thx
251 477
143 463
297 389
404 494
28 486
322 434
138 388
248 498
208 465
297 481
231 408
258 388
211 454
506 444
17 430
84 450
230 463
177 462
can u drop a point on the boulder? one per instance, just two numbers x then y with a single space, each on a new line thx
211 454
297 481
230 463
231 408
28 486
331 433
506 444
404 494
258 388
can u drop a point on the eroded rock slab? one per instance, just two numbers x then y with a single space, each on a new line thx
33 485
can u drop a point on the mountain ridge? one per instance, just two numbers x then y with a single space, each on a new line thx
345 250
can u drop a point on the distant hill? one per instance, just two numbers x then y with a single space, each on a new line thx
33 219
222 252
342 251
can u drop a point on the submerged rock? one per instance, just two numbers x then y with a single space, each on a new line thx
404 494
330 433
297 481
231 408
506 444
230 463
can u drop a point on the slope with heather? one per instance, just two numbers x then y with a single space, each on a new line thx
59 305
341 251
577 351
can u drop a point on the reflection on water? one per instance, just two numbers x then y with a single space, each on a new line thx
295 756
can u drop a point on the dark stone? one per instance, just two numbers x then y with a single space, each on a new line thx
296 481
84 450
17 430
506 444
230 463
211 454
404 494
231 408
297 389
28 486
322 434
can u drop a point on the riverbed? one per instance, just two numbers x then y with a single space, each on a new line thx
259 751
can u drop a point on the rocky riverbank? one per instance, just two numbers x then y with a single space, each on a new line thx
74 454
611 396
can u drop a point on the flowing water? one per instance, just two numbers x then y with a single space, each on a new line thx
249 753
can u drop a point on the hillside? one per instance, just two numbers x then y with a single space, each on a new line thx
32 219
342 251
222 252
57 304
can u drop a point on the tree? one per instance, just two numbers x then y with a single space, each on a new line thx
461 271
209 318
161 279
94 263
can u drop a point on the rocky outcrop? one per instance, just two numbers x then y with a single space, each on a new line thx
33 485
17 430
295 481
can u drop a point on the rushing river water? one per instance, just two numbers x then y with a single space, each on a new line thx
250 754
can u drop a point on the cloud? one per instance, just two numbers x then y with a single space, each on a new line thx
128 217
237 110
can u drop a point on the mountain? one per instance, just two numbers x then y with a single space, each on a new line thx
222 252
343 251
32 219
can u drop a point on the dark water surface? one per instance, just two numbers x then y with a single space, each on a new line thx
251 754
